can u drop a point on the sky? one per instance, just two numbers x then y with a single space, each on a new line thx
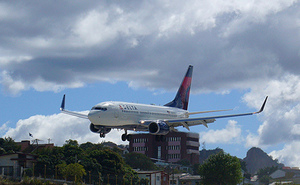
138 51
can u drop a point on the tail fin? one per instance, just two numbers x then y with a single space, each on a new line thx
181 99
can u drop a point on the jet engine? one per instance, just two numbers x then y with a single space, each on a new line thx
99 129
158 128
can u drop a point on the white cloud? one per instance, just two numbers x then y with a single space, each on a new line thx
230 134
280 119
13 86
289 155
222 37
281 114
3 128
5 60
59 127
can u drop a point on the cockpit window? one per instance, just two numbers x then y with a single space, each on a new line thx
99 108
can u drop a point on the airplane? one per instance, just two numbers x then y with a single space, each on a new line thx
157 120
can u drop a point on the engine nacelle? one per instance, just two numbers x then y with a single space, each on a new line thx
158 128
93 128
99 129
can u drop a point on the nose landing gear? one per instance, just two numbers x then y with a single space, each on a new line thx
99 129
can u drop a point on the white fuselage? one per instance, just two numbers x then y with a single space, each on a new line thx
123 113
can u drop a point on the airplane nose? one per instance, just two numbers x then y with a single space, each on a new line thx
94 116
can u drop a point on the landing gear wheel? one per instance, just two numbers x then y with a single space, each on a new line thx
102 135
124 137
129 137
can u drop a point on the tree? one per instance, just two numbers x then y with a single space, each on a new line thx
111 162
71 151
264 174
9 145
71 142
139 161
74 171
221 169
49 157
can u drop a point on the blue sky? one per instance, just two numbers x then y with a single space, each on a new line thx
138 52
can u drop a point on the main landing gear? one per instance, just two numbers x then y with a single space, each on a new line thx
126 136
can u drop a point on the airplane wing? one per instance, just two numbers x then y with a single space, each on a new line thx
62 108
187 122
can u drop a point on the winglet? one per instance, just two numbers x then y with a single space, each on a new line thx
62 107
263 106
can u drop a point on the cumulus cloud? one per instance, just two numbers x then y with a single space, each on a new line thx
222 37
281 113
3 128
59 128
289 155
280 119
230 134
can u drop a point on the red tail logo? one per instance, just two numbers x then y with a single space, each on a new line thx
181 99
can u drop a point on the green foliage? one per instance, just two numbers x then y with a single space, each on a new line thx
33 181
73 171
139 161
184 162
264 174
8 145
49 157
244 168
88 146
265 179
195 168
71 151
266 171
71 142
221 168
28 172
144 181
75 162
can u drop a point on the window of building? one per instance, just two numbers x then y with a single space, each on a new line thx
174 139
159 152
140 140
173 156
137 149
173 147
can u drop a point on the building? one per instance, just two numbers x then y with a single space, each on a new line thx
286 173
174 147
184 178
15 163
26 147
154 177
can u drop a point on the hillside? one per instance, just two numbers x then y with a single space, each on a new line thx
204 154
256 159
